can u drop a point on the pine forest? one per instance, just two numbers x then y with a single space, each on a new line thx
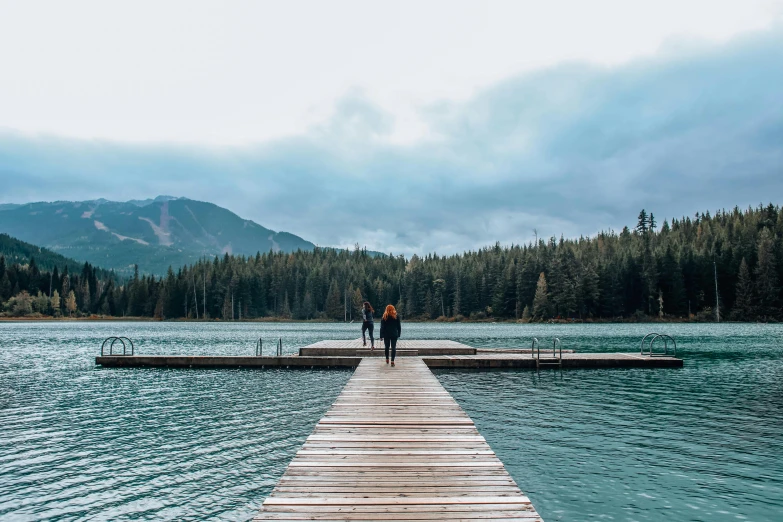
725 266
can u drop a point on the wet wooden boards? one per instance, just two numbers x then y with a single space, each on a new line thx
396 446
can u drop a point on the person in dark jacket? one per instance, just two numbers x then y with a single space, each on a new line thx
367 324
391 329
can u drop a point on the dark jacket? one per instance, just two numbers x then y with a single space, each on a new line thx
391 328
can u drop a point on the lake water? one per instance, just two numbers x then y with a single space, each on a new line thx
701 443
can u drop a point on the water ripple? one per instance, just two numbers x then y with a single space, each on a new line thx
84 443
698 443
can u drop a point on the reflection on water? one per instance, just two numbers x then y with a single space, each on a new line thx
79 442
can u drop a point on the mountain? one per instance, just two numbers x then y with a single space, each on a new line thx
154 234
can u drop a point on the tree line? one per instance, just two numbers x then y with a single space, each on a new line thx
726 265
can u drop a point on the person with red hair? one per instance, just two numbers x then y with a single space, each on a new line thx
391 329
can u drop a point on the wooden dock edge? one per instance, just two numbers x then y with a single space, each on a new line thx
529 363
207 361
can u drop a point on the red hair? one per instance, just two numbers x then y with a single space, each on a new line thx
368 305
390 311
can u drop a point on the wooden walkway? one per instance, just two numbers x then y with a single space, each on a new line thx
396 446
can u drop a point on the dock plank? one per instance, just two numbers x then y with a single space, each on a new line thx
396 446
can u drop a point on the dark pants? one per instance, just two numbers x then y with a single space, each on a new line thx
367 325
393 343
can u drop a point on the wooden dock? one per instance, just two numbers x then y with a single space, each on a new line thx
396 446
434 352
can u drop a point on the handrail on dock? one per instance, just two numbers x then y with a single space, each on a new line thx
555 360
666 339
557 347
655 336
557 344
260 347
113 340
641 348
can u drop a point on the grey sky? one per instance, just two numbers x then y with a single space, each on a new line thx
443 131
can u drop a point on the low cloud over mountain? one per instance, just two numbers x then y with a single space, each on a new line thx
571 149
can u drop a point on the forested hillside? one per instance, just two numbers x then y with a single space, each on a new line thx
35 280
19 252
666 271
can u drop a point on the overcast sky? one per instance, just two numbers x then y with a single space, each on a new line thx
403 126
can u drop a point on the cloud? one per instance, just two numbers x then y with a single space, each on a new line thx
572 149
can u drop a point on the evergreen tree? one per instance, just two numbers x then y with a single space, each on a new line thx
286 312
308 306
457 306
504 302
743 302
611 294
66 285
159 312
527 278
439 286
334 304
34 276
767 287
5 287
672 284
85 296
541 299
642 223
429 305
590 292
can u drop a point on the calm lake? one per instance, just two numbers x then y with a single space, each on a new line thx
701 443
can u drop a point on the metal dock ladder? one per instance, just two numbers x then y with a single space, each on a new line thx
649 352
556 360
260 348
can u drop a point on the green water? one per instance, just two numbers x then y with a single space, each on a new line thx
83 443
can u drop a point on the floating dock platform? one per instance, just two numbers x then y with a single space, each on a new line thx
357 348
568 360
434 354
396 446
